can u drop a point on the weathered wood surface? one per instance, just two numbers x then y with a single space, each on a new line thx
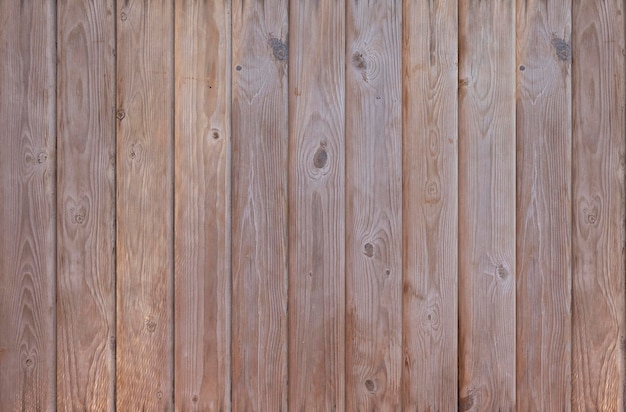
259 205
85 205
202 184
28 207
253 205
598 338
429 213
543 132
373 205
486 206
317 206
145 64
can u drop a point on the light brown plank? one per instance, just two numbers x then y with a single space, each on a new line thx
486 205
27 214
202 238
260 163
317 205
429 214
598 95
374 205
86 205
543 205
144 205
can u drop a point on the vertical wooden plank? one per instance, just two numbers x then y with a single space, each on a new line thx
260 157
86 205
317 205
27 215
429 216
144 205
374 205
543 205
202 242
598 96
487 205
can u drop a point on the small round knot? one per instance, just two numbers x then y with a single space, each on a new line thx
150 324
432 191
320 158
159 395
592 218
369 385
238 68
359 61
42 157
194 398
369 250
501 272
120 114
522 68
29 363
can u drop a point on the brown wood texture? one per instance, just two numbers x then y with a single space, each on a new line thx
259 204
429 213
312 205
85 205
317 206
202 184
144 357
373 205
486 206
598 218
28 211
543 133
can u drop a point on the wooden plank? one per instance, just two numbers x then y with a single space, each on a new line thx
598 95
144 205
86 205
259 222
429 214
486 205
27 215
374 205
202 238
317 206
543 205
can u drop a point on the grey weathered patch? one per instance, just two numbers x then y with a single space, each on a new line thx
563 49
279 48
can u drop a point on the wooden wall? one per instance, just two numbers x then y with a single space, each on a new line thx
312 205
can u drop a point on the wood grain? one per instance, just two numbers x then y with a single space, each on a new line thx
598 234
429 213
260 163
373 205
317 206
486 205
27 215
202 236
86 205
144 205
543 130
